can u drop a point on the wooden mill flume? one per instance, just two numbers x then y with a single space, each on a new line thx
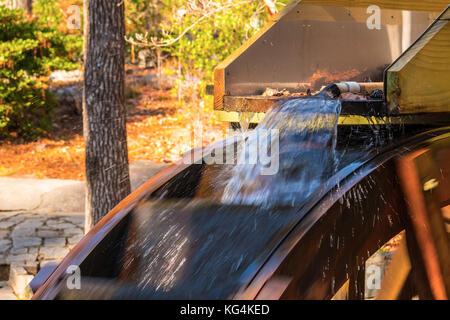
357 93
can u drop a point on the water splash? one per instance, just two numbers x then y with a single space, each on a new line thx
244 121
307 140
194 249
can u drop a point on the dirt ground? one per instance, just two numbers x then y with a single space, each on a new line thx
160 129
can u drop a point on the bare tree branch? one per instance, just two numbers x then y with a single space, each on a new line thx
193 7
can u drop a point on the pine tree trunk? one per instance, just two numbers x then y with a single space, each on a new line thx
104 111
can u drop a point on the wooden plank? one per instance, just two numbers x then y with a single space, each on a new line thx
413 5
342 293
436 119
327 13
446 213
419 81
233 116
396 274
418 274
446 15
259 103
219 88
250 103
430 173
426 220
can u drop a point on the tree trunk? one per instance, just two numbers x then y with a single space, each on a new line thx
104 111
29 4
18 4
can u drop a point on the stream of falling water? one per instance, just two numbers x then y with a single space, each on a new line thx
203 248
306 132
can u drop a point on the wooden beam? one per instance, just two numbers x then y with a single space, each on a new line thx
219 87
435 119
426 219
250 103
413 5
419 81
445 16
396 274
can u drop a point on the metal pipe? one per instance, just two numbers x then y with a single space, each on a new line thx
334 90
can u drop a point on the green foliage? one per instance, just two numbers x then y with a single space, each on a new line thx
65 47
214 38
142 17
29 50
48 13
25 56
